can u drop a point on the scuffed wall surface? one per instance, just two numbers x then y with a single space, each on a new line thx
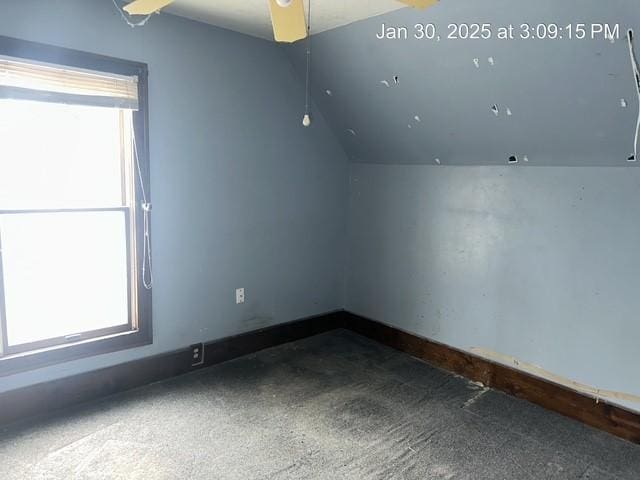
540 263
243 195
564 95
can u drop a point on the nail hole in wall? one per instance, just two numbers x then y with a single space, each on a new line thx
396 79
513 159
632 158
495 110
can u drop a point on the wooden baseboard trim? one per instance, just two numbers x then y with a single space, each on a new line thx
29 402
558 398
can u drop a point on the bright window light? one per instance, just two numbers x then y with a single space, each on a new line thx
64 273
66 197
59 156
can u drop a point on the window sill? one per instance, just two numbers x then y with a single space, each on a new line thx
23 362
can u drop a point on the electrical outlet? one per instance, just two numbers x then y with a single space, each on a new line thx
197 354
239 295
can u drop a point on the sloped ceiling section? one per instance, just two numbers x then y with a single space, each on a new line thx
557 102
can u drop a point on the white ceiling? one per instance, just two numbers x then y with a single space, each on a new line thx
252 16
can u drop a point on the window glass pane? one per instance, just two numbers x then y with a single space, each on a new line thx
59 156
64 273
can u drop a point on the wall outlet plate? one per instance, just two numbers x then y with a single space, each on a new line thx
197 354
239 295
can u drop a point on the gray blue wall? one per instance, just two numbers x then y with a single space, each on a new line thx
540 264
243 195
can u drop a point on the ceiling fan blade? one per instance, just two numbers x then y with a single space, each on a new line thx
419 3
289 23
146 7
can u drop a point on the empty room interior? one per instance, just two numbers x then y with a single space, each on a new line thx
319 239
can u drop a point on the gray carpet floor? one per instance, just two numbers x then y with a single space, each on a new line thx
335 406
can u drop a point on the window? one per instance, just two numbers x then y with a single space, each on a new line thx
75 262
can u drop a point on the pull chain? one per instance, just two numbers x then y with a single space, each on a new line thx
147 279
636 76
306 120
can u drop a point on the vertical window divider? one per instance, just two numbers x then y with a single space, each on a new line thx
3 316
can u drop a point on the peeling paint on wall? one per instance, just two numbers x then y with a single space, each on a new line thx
537 371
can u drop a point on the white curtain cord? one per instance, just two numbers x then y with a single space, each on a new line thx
126 18
636 76
147 280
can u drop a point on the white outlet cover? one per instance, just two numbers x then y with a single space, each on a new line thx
239 295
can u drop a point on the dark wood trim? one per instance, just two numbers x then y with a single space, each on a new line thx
144 321
42 52
35 400
23 362
56 395
558 398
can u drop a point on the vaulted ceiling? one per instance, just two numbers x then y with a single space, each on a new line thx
558 102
